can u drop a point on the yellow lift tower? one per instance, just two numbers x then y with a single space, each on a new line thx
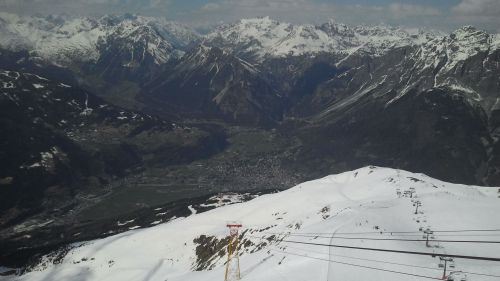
233 259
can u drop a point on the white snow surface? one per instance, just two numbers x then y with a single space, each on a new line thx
64 40
457 47
364 200
266 37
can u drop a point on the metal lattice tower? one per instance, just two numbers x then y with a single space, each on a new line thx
233 259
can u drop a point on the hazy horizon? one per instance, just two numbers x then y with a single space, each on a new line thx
446 15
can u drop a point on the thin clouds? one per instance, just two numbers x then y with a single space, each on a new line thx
483 13
272 6
85 7
311 11
211 7
400 10
288 10
410 13
487 8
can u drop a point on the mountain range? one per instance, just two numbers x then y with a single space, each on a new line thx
145 111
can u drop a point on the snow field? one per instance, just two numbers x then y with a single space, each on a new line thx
356 204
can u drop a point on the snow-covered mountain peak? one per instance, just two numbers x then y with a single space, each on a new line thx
245 30
333 28
260 21
467 29
470 35
177 34
65 40
460 45
263 37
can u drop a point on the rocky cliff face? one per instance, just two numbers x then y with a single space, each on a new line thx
448 74
209 81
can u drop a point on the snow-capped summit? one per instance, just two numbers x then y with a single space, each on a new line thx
65 40
136 42
464 51
463 61
177 34
263 37
469 41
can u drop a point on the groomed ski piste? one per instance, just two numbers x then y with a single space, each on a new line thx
296 234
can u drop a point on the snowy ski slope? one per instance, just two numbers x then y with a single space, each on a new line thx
357 208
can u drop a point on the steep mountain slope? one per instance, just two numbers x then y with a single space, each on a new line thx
209 82
132 52
110 55
61 145
434 131
465 61
419 107
23 61
362 208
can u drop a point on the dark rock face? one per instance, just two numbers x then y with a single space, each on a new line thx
404 111
435 132
23 61
208 82
130 56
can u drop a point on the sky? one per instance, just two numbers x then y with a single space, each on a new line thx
443 15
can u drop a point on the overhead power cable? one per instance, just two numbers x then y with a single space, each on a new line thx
363 259
396 251
402 232
440 235
388 262
392 239
361 266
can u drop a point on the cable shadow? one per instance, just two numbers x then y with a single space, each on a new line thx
154 270
83 274
253 267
